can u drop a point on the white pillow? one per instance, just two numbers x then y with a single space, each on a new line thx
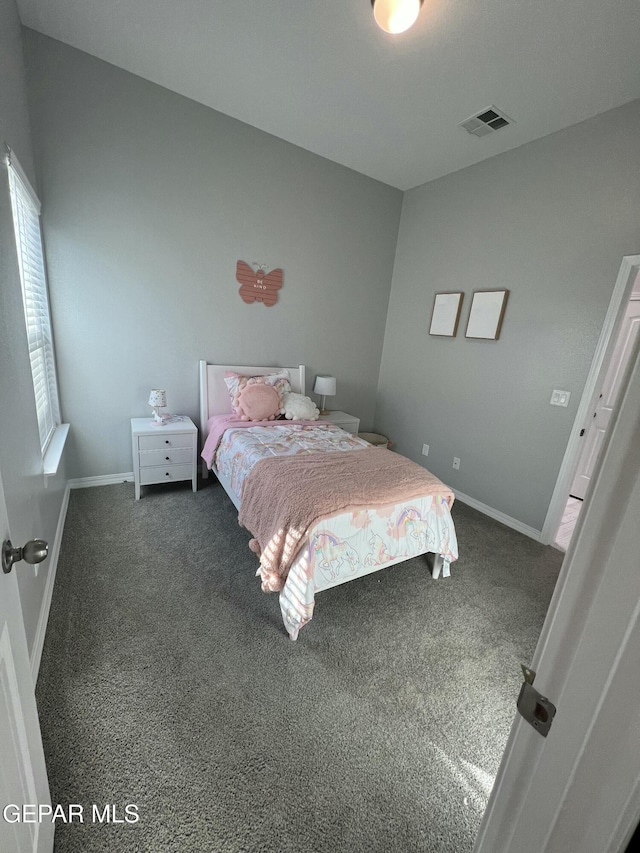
298 407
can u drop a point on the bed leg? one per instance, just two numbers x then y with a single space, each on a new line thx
205 470
440 564
437 566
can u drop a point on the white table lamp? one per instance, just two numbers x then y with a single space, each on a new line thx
157 399
326 386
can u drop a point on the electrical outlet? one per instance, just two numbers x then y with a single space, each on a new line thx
456 463
425 449
560 398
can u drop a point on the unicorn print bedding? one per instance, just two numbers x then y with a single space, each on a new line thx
342 545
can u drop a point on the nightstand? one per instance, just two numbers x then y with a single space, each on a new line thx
164 454
346 422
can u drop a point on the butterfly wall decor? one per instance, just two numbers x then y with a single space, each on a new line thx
258 286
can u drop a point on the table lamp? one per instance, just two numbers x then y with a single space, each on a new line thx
157 399
326 386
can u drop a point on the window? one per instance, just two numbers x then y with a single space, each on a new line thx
26 220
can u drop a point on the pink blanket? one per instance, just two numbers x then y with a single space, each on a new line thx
283 498
217 425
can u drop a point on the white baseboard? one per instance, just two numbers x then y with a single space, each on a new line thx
531 532
43 618
101 480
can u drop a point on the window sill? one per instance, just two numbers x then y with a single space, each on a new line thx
54 452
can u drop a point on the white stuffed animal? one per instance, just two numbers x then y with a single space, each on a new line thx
297 407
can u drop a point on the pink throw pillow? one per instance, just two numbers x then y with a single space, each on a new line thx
235 382
258 402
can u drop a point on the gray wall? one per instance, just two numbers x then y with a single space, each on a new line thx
550 221
149 200
33 509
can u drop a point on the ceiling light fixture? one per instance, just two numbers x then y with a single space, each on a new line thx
396 16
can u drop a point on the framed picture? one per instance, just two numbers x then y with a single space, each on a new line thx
445 314
485 316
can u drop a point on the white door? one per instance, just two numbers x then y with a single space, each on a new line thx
578 790
23 775
609 395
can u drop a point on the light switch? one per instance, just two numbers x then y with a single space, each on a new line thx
560 398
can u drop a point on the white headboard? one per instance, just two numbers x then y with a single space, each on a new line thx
214 396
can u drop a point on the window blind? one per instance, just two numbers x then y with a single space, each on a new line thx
26 220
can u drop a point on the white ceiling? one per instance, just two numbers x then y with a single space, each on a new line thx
320 74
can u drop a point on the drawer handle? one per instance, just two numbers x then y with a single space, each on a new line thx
167 474
167 459
166 441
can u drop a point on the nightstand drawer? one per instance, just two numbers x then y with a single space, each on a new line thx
165 474
166 457
161 442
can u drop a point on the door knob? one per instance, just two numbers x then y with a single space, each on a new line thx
33 552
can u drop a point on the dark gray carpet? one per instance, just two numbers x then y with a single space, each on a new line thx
167 681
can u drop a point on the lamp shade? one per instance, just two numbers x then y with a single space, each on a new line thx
396 16
158 398
325 385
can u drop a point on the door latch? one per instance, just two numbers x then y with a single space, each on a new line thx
536 709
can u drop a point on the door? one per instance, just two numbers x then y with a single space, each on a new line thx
23 775
608 396
627 284
579 788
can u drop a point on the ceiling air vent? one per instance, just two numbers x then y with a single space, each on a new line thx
485 122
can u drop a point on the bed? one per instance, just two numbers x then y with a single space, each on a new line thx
370 532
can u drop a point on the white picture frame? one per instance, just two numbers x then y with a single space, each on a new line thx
486 314
445 314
